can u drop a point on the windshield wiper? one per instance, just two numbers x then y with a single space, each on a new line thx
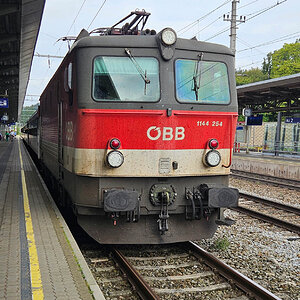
139 68
196 84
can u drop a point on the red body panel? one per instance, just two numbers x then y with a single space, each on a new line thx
150 129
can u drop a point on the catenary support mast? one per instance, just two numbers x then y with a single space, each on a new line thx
234 20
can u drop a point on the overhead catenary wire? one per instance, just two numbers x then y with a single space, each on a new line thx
49 35
280 39
97 13
266 9
225 29
250 46
250 56
255 15
71 24
208 25
31 100
191 25
254 55
47 55
220 32
76 16
245 5
251 64
56 56
286 37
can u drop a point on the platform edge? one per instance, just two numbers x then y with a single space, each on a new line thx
88 276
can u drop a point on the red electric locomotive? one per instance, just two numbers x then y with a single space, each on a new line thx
137 130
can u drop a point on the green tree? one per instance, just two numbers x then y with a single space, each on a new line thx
286 61
267 65
249 76
282 62
27 112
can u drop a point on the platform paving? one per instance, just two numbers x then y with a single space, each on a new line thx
60 275
280 167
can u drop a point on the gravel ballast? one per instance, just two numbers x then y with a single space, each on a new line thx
265 253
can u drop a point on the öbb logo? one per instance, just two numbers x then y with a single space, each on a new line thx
167 133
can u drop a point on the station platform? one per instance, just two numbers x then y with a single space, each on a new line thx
276 166
39 259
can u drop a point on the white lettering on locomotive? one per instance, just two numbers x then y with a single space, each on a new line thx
179 133
69 131
166 133
158 134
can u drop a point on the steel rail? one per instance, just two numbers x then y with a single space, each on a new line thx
269 202
240 280
142 288
293 184
286 225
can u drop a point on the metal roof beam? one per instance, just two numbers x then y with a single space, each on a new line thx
9 76
283 92
9 88
9 61
9 70
8 8
8 81
253 95
6 38
6 65
8 54
277 109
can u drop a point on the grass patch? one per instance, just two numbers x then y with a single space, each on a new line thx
221 243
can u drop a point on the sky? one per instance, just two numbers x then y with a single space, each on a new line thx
269 24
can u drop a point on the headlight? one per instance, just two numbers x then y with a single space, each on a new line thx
212 158
115 159
168 36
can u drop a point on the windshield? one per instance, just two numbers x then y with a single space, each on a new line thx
119 78
201 82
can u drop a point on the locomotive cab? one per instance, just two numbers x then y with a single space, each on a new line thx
149 123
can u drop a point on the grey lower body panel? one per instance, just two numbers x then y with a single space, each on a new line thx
145 231
108 221
89 191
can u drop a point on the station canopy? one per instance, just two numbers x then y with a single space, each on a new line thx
19 25
273 95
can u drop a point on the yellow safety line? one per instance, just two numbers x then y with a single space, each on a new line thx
36 281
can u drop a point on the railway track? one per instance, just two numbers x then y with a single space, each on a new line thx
270 211
182 271
291 184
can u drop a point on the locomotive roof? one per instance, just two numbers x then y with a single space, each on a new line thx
147 41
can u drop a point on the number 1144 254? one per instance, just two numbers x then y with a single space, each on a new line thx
210 123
